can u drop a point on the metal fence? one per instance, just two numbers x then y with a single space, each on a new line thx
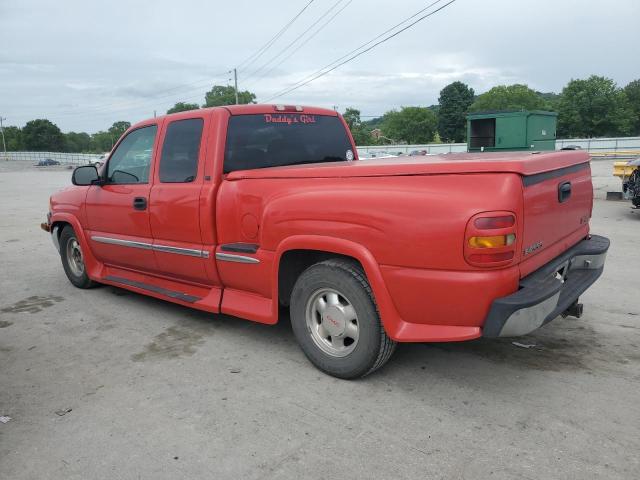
62 157
624 147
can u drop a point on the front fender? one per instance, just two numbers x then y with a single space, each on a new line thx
92 265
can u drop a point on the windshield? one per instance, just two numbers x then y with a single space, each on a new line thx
277 139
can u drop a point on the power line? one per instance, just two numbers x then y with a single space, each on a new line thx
129 105
305 42
255 56
295 40
338 63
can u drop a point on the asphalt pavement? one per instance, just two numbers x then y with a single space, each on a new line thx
108 384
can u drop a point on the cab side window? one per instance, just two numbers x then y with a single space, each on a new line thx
131 161
179 160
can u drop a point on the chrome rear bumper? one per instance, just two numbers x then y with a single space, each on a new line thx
549 291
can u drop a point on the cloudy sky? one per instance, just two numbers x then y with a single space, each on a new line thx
85 64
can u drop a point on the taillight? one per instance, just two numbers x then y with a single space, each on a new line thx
490 239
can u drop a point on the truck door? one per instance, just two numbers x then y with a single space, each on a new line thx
117 212
175 201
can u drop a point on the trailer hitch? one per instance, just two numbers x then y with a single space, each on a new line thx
575 310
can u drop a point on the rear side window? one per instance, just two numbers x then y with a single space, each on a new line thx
180 151
277 139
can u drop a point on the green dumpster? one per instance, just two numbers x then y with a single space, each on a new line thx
512 130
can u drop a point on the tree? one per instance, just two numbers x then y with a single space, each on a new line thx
509 97
454 102
184 107
102 142
221 95
118 128
632 91
42 136
594 107
77 142
410 124
13 139
361 134
552 100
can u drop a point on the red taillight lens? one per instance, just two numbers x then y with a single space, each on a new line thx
492 223
491 257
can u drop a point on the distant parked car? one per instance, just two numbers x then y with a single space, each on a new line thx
415 153
47 162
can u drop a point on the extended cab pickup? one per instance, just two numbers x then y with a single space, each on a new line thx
244 209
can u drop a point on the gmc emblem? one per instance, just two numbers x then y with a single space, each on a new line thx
532 248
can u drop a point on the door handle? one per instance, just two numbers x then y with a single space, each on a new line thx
140 203
564 191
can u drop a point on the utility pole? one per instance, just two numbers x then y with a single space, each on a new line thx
235 80
4 145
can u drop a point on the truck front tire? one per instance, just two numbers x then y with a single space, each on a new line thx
72 259
336 321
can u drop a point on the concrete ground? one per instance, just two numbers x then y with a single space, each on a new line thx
107 384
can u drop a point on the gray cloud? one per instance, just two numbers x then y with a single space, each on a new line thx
86 64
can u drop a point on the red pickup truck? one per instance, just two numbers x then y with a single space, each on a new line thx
244 209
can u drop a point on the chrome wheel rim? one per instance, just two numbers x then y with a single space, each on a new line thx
74 257
332 322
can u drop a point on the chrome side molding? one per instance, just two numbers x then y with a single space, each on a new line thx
228 257
148 246
181 251
124 243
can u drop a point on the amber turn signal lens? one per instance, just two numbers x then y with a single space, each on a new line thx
496 241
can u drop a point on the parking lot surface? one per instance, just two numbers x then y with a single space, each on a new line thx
108 384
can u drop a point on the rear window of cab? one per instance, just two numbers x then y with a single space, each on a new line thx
278 139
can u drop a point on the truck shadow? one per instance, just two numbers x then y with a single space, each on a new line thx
563 345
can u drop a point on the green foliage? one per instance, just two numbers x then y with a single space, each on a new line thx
454 102
632 91
552 100
118 128
102 142
221 95
373 123
42 136
361 134
594 107
509 97
184 107
13 139
410 125
77 142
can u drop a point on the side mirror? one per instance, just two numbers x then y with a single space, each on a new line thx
85 175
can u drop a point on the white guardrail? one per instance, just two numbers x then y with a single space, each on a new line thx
61 157
616 147
623 146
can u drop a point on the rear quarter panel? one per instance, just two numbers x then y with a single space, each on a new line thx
412 221
413 226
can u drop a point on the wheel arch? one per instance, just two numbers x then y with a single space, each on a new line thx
62 220
299 252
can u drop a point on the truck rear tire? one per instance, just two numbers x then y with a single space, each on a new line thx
336 321
72 259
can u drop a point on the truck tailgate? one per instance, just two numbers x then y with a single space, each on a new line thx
557 209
